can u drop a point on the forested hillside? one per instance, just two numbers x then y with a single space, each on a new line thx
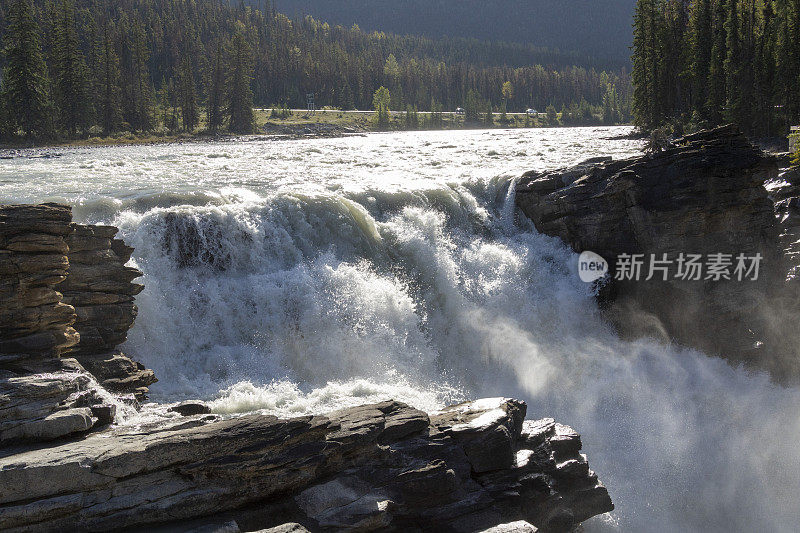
713 61
75 66
599 30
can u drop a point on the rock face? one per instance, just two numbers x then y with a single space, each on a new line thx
705 195
99 286
377 467
35 324
42 395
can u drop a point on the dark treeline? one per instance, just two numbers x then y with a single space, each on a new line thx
596 28
88 67
704 62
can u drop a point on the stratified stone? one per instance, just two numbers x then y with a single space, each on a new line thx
285 528
99 286
44 397
49 405
353 469
520 526
35 325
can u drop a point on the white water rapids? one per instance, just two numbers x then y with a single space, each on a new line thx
301 276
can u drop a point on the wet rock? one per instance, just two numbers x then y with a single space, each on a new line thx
46 406
105 414
784 191
194 244
118 373
222 526
519 526
191 408
351 469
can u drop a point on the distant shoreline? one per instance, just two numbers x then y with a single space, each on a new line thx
321 125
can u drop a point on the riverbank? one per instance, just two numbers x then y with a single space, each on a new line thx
296 124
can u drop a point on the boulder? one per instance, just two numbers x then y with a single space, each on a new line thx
367 468
190 408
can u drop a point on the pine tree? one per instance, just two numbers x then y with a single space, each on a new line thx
380 102
610 113
701 37
24 95
646 74
765 70
139 88
508 93
190 114
471 106
436 115
734 64
552 115
107 80
488 116
717 83
674 87
70 73
216 89
788 53
163 102
239 93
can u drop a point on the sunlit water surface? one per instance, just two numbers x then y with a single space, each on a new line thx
301 276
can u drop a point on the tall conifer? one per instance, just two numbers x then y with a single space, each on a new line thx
25 94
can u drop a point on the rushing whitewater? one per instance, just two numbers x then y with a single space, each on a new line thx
302 276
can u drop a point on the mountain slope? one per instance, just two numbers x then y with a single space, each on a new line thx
601 28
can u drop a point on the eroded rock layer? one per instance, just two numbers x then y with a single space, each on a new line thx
35 324
377 467
100 288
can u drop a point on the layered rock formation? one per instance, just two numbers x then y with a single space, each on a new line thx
35 324
99 286
377 467
43 395
704 195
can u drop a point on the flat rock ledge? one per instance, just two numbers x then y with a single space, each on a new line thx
386 466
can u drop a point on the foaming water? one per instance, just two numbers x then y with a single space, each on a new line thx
300 277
